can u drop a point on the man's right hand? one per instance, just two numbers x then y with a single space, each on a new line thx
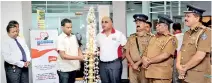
135 67
181 71
145 62
81 58
26 64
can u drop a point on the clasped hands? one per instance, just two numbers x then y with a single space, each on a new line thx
182 71
146 62
26 64
135 67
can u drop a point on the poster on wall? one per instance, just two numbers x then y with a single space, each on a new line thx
41 18
44 56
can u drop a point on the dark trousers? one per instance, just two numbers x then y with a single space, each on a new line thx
67 77
110 72
15 74
175 73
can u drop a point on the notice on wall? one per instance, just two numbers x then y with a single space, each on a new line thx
41 18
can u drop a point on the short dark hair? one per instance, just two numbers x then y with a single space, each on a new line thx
9 26
13 22
176 26
150 24
64 21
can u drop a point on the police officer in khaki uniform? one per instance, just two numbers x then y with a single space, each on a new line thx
135 46
148 27
158 57
193 61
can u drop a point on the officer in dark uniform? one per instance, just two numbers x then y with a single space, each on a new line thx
193 61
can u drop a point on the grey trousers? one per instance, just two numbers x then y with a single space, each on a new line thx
110 72
15 74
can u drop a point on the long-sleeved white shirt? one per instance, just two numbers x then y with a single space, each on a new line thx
12 53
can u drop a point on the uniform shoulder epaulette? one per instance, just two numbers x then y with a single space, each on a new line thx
132 35
204 27
171 38
171 35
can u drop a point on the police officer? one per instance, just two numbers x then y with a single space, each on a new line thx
135 46
148 27
158 57
193 61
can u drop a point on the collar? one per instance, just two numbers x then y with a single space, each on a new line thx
177 32
11 37
195 27
158 34
164 34
142 33
112 31
65 35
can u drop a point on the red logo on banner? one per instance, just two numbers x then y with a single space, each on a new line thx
52 58
43 36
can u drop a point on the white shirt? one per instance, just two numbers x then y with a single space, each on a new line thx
70 46
12 53
111 46
179 37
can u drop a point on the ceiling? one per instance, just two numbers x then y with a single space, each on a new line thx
66 6
81 6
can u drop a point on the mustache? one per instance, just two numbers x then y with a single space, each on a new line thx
186 20
138 26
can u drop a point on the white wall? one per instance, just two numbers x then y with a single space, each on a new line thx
0 51
131 27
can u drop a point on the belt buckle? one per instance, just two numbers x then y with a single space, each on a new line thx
13 67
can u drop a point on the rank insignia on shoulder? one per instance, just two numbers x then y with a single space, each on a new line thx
204 36
134 34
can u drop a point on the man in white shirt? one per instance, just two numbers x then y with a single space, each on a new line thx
110 43
70 53
16 55
179 35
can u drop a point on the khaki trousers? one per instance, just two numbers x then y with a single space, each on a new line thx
137 76
152 80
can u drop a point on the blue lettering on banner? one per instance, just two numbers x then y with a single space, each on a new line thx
43 42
